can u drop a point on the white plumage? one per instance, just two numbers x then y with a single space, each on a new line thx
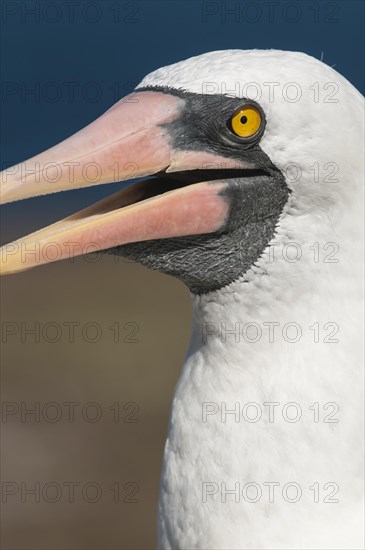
320 132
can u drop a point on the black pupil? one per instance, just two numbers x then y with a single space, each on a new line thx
243 119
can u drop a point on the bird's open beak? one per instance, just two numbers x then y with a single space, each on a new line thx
129 141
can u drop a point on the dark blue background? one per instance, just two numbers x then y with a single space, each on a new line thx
102 49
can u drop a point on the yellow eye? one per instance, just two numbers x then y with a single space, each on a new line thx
246 121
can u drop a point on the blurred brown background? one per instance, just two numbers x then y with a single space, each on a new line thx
104 446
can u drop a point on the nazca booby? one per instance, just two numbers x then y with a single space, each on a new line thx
256 204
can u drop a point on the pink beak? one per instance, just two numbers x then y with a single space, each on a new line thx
130 140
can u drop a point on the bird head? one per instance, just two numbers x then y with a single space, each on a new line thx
230 148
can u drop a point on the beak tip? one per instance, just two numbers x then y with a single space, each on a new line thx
9 261
8 269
